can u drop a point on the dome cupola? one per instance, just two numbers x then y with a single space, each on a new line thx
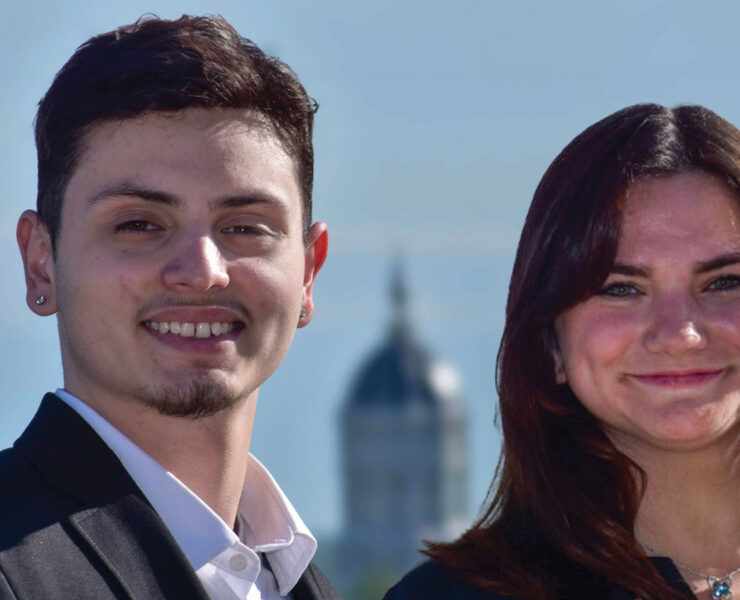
401 371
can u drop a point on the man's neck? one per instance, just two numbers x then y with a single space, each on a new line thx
208 454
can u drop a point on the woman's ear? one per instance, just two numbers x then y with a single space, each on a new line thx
34 242
560 377
557 356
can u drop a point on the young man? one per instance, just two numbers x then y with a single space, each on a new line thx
173 242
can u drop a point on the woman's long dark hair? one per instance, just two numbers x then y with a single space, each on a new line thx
561 510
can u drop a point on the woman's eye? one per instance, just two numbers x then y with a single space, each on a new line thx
136 225
724 283
619 290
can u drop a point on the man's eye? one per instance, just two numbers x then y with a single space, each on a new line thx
136 225
245 230
724 283
619 290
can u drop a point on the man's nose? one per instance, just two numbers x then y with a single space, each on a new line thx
196 265
676 327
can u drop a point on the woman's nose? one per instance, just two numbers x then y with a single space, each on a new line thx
676 327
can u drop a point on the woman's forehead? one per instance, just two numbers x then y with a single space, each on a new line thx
687 212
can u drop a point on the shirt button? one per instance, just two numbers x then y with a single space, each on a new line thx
238 562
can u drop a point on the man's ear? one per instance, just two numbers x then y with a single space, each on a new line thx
316 249
38 263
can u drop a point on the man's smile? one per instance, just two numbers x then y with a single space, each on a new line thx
196 321
195 328
199 330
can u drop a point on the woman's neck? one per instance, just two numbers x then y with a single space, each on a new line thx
691 510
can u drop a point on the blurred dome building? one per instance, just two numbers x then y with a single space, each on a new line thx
404 454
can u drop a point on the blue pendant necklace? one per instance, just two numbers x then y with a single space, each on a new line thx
721 587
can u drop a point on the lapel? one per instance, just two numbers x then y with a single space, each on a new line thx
314 586
108 516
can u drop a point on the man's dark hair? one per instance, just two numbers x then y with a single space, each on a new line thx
160 65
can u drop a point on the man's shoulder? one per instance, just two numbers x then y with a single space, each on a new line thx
41 474
432 579
10 462
25 467
27 504
18 477
31 532
58 543
21 478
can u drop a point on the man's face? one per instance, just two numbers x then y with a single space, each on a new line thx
180 269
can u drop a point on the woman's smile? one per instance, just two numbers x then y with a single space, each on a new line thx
688 379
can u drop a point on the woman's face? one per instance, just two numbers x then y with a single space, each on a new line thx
655 354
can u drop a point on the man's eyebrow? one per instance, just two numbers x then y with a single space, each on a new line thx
153 195
133 191
724 260
247 200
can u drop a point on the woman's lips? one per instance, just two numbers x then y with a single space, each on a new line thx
682 379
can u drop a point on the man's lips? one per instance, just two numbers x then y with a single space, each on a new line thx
678 379
200 329
194 322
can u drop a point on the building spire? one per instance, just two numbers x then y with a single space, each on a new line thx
399 297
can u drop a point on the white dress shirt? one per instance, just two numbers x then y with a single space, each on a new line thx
228 565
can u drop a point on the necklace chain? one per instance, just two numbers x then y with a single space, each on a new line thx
720 587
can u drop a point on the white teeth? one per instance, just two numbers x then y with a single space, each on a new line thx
199 330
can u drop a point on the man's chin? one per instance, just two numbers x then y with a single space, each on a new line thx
194 399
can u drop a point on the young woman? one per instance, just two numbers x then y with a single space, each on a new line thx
618 378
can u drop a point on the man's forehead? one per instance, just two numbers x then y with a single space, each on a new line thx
216 121
189 128
155 154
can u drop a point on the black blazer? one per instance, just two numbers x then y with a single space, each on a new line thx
432 581
73 524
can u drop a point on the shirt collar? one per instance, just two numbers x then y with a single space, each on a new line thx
268 523
267 520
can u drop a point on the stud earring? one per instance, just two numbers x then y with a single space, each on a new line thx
304 312
41 300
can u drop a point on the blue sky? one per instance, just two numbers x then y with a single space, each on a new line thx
437 120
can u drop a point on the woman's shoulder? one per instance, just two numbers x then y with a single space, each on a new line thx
432 580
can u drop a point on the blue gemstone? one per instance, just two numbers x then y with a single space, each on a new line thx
720 589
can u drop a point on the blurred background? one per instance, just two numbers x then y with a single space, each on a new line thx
437 120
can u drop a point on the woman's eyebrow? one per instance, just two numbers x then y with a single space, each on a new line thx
723 260
718 262
630 270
